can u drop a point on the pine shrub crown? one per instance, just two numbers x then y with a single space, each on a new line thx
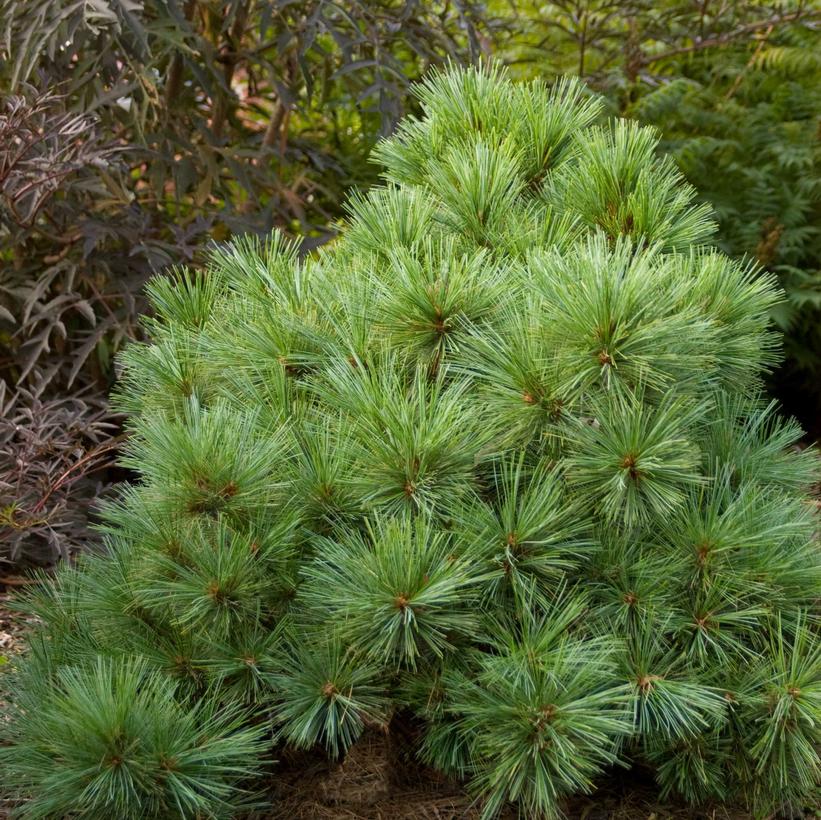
495 462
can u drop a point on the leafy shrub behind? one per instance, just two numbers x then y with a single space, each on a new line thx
131 136
56 460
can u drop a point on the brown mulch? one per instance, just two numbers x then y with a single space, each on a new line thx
12 625
374 783
13 628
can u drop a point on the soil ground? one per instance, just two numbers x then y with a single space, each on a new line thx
369 786
12 640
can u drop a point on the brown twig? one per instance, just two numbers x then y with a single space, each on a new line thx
729 36
112 444
750 63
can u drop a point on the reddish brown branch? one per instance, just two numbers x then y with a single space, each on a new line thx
729 36
106 446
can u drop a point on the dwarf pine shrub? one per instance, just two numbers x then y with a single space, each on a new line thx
496 462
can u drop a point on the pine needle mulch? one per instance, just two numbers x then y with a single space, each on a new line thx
12 625
13 628
374 783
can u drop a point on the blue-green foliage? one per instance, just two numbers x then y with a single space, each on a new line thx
497 457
